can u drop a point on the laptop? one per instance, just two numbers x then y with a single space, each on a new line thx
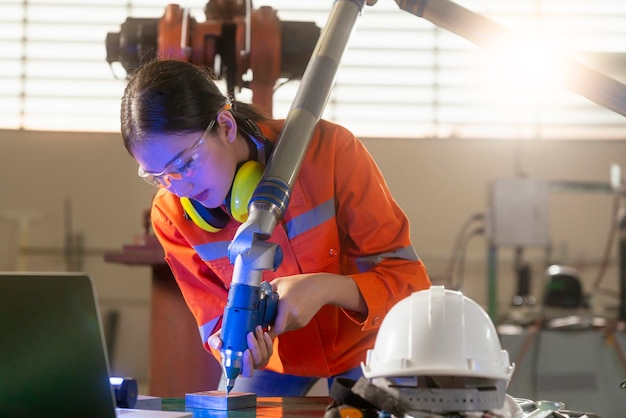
53 359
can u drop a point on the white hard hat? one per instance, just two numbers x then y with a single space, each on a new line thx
443 334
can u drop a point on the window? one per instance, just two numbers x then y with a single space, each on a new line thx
401 75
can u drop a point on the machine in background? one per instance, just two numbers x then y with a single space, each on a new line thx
235 39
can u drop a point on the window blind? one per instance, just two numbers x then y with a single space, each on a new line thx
401 76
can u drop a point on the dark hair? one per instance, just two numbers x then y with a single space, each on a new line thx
173 97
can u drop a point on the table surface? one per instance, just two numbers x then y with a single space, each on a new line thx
296 407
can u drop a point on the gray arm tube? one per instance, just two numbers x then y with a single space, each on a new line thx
314 91
271 197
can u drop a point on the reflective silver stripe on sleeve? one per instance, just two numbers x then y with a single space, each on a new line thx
308 220
369 262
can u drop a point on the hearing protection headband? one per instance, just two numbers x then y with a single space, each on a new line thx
247 178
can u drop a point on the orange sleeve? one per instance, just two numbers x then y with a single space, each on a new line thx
375 233
204 293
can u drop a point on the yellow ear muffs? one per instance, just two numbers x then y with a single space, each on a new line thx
207 219
246 180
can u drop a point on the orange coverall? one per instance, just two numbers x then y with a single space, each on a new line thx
341 219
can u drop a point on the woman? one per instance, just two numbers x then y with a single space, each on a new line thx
348 256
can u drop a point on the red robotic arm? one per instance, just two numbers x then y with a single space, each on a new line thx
235 39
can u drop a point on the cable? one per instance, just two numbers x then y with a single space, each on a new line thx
479 230
612 339
449 275
616 216
533 333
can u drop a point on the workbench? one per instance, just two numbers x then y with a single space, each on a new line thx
291 407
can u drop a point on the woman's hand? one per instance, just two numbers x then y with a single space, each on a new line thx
301 296
299 299
260 349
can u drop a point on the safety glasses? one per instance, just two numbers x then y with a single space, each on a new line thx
184 166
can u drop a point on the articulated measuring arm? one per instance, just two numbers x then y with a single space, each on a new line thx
249 251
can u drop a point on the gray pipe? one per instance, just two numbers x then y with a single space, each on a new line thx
271 198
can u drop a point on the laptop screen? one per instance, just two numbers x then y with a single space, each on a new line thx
53 360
